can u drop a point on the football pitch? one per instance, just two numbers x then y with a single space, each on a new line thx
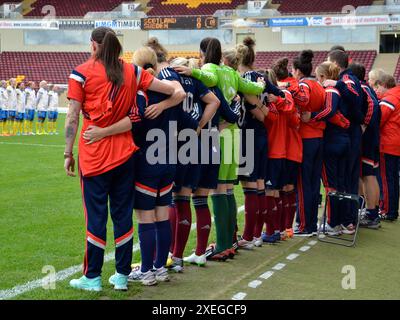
42 229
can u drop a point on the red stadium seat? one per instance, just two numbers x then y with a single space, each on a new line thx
163 8
317 6
54 67
79 9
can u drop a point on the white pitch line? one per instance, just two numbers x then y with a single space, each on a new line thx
292 256
267 275
313 243
305 248
63 274
278 266
32 144
254 284
239 296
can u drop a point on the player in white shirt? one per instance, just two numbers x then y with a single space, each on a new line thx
19 119
30 105
11 106
53 109
42 103
3 110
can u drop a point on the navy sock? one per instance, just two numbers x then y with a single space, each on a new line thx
163 241
372 214
147 240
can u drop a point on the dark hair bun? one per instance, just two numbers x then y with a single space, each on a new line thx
306 56
153 41
249 42
282 63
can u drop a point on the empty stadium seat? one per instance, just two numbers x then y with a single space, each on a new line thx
78 9
183 54
317 6
54 67
187 8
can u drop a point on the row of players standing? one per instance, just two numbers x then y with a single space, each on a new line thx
154 183
20 101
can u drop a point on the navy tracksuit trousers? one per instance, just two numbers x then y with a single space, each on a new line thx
334 177
114 189
389 165
353 174
309 184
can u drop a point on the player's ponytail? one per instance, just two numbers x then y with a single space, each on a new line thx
161 52
108 53
329 70
271 76
281 68
231 58
304 62
211 48
146 58
246 52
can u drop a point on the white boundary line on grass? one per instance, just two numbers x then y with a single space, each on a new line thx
32 144
64 274
268 274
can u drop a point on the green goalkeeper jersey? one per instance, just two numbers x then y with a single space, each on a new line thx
227 80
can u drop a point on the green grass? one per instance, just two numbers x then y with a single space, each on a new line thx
42 223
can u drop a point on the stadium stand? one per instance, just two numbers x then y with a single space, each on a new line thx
79 9
266 59
9 1
54 67
317 6
184 8
184 54
58 65
397 71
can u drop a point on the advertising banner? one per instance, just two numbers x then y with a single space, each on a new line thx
119 24
29 24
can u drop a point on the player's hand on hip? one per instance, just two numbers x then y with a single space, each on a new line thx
69 166
93 134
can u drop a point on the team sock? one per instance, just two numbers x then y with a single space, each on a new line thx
147 241
251 212
285 210
1 128
270 216
262 211
163 240
172 221
203 223
232 217
277 217
26 127
221 219
183 225
292 210
54 126
14 127
372 213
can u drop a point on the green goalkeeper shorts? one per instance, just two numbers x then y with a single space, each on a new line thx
230 144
